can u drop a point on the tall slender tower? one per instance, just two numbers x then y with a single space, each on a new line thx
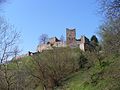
71 37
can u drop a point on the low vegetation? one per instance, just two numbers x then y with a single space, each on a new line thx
65 68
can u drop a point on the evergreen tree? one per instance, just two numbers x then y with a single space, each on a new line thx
94 43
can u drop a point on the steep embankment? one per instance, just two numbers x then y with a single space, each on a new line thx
96 78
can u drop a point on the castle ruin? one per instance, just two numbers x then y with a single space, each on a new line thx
71 41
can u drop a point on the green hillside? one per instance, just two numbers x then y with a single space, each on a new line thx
91 76
107 78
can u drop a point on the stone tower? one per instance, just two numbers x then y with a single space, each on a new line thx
70 37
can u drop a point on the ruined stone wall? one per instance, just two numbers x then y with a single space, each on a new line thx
71 37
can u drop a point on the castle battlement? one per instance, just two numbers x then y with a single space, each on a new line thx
71 41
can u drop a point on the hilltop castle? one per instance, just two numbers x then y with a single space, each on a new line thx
71 41
83 43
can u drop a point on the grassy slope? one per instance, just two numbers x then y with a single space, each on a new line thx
109 79
20 63
81 80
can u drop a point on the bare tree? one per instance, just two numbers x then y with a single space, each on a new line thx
8 41
43 39
8 49
110 8
110 34
51 67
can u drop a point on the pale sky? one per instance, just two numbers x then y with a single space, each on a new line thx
35 17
